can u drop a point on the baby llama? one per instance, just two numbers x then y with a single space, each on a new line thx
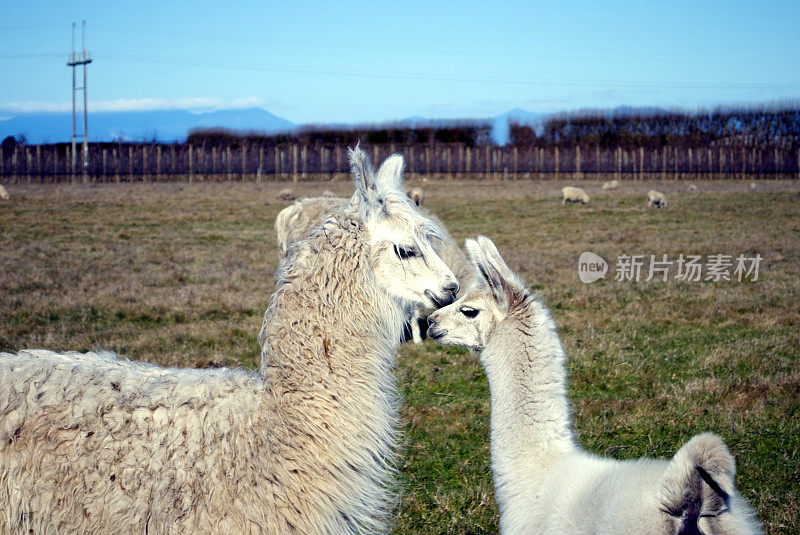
544 482
94 444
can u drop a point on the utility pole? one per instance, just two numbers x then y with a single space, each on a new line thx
79 58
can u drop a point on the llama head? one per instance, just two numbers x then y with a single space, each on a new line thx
404 262
472 319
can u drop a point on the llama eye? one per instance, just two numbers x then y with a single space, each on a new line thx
469 312
404 253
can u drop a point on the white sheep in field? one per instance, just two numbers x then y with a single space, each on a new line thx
94 444
417 195
544 482
692 187
286 194
656 199
328 193
3 193
294 223
573 194
753 186
611 184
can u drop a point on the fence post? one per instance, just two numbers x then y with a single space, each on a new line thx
260 163
174 163
294 163
557 164
130 163
428 161
744 162
39 163
105 163
468 160
304 161
691 161
144 163
67 164
641 163
244 161
28 164
675 174
190 163
158 163
213 172
578 162
117 162
798 163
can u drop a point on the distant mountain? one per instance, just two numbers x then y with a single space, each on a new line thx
165 125
174 125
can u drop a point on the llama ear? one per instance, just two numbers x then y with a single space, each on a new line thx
699 480
363 176
390 173
490 267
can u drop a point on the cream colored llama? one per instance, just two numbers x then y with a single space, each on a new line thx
294 223
91 444
544 482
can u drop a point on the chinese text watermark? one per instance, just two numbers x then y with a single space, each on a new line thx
688 268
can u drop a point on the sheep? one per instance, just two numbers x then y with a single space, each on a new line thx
656 199
3 193
286 194
692 187
753 186
544 482
417 195
91 443
294 222
328 193
611 184
573 194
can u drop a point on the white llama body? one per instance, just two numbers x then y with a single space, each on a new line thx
90 443
544 482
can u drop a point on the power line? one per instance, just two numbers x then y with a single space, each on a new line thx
26 55
204 36
363 73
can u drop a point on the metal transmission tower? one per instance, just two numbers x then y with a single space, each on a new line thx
83 59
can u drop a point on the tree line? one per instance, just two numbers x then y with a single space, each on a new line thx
736 127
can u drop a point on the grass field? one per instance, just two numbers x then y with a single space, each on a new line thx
180 275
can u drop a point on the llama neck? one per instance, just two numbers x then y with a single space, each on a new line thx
328 354
530 418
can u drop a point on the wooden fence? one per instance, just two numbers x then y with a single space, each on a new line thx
139 162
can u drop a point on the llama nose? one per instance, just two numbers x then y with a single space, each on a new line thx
452 287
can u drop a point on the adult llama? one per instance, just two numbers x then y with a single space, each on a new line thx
544 482
90 443
294 222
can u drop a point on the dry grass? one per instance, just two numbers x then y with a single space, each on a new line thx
180 274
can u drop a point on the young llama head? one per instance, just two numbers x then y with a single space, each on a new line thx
403 260
498 292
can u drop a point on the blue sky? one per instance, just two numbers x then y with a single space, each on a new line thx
375 61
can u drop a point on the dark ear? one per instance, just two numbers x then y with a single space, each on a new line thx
489 267
363 176
698 481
